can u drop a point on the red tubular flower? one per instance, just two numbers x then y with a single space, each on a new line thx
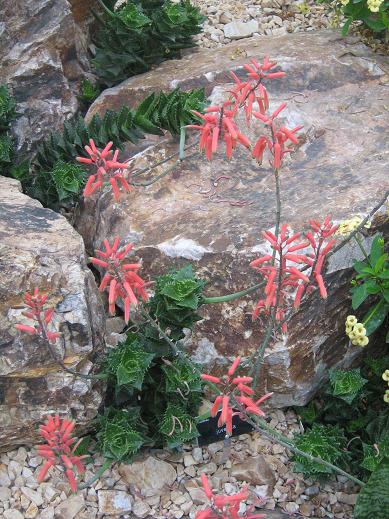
41 318
233 387
60 449
218 123
281 277
226 507
105 167
121 277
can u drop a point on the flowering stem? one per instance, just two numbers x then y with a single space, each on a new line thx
153 166
231 297
164 173
97 476
273 435
259 353
357 238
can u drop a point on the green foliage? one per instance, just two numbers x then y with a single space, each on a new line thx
176 299
145 371
142 33
355 10
324 441
54 156
89 92
7 108
346 384
372 280
7 115
177 426
352 401
373 500
171 111
128 363
120 433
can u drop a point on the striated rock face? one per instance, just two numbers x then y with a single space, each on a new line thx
43 46
337 90
38 248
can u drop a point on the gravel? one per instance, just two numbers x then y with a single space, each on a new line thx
229 20
272 484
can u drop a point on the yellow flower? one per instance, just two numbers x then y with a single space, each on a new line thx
359 329
363 341
344 2
351 320
386 396
374 5
348 329
348 226
385 375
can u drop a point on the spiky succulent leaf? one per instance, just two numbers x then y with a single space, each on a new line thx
373 499
346 384
322 441
177 426
118 437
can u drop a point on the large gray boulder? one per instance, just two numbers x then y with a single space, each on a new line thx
338 90
39 248
43 56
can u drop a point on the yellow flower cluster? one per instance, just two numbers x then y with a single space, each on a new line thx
344 2
348 226
356 331
385 376
374 5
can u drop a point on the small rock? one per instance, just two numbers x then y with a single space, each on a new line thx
14 469
196 492
151 476
35 462
292 507
189 460
70 507
32 495
114 502
306 509
348 499
312 491
4 478
141 508
197 454
255 471
5 494
225 17
31 512
47 513
238 29
11 513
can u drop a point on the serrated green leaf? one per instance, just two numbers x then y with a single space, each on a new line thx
346 384
373 499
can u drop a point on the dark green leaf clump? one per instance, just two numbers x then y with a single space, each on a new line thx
322 441
156 113
144 371
88 93
346 384
7 115
120 433
353 401
142 33
373 500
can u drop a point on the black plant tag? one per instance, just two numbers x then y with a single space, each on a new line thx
211 433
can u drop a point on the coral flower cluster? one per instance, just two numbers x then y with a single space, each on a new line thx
121 277
234 388
356 331
281 273
219 121
41 318
106 167
59 449
225 507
